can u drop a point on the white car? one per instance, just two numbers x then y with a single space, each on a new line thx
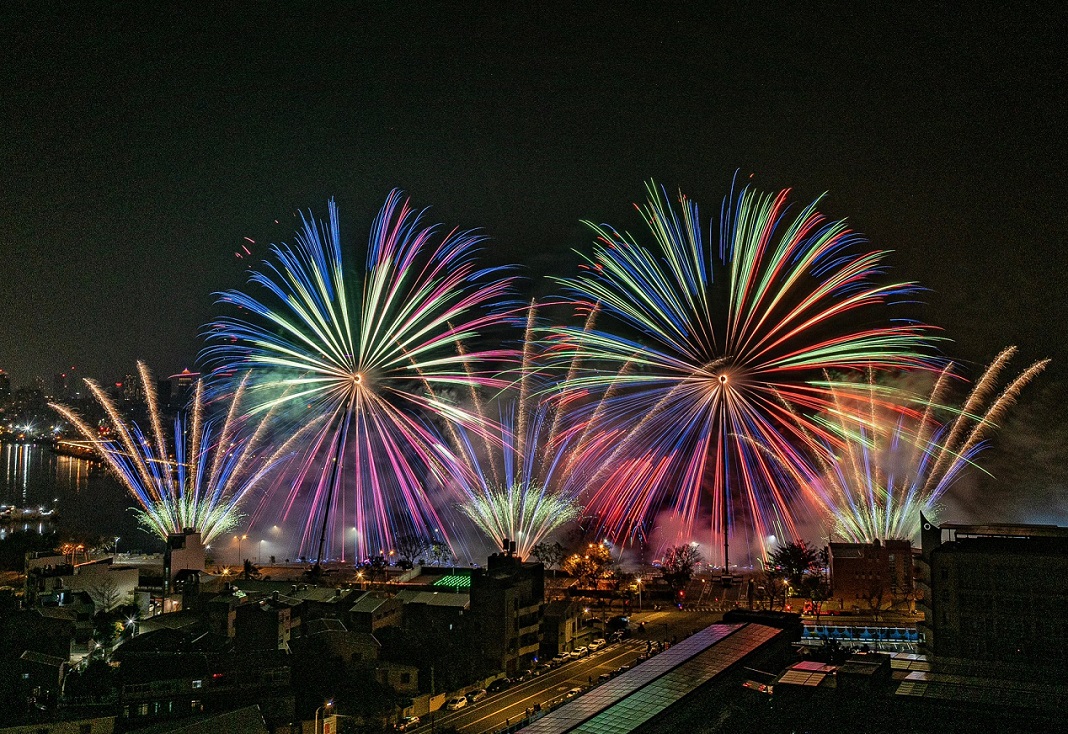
597 644
572 693
407 723
455 703
579 651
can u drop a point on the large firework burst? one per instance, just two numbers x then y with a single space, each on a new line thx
196 478
893 461
376 355
712 351
521 486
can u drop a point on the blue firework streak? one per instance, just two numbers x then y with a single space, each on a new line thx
197 477
896 453
711 352
376 355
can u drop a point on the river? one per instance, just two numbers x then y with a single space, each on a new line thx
89 504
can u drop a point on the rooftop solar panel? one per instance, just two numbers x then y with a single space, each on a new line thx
624 703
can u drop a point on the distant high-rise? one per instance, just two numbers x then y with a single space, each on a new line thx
59 386
132 391
5 385
182 386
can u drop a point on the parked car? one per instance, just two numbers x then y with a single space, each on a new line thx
407 723
572 693
560 659
476 695
603 677
455 703
597 644
542 669
499 685
579 651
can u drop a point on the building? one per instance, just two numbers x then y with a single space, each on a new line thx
561 628
374 611
441 610
181 387
871 576
996 594
506 604
185 552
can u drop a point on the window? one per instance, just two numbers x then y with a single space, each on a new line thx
85 729
405 678
198 684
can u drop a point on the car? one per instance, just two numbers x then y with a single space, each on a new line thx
457 702
560 659
623 669
572 693
407 723
604 677
579 651
476 695
598 644
542 669
499 685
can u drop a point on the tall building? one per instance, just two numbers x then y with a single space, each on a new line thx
996 594
181 387
185 552
60 386
869 576
5 385
506 604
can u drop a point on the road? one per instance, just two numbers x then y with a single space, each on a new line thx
507 707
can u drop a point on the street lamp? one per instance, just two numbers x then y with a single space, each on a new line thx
259 551
324 708
239 538
117 539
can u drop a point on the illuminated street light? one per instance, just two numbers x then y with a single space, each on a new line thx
324 708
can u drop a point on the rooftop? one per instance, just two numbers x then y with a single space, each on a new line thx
625 703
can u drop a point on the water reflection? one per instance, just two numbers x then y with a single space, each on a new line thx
86 501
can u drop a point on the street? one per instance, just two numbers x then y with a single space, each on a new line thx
508 707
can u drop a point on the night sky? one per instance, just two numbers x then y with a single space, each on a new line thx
139 147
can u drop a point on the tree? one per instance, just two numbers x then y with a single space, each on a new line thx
817 587
550 554
875 594
440 552
104 592
794 561
679 564
411 547
595 561
774 587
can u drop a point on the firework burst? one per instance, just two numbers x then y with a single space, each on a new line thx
896 454
524 484
712 353
376 355
196 478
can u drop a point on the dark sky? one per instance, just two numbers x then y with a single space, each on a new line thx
139 146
